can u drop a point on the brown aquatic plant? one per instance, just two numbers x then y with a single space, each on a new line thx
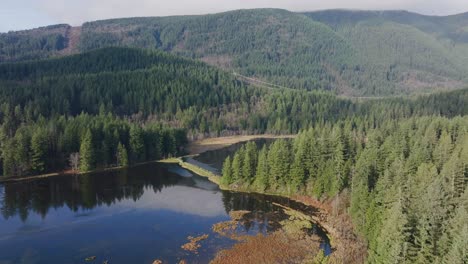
278 247
193 245
90 258
228 228
238 215
291 243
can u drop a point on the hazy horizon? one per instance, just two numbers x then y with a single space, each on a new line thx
28 14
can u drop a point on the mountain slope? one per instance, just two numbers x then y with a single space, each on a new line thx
407 51
277 45
357 53
123 81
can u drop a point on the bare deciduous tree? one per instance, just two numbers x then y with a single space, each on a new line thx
74 161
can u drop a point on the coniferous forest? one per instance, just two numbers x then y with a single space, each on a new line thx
405 182
397 166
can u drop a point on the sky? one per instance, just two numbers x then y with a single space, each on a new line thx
26 14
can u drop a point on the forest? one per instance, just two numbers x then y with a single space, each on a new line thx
347 52
48 106
404 183
397 165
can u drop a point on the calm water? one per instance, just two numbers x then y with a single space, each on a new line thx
131 216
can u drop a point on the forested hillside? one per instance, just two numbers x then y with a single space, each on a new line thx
410 51
33 44
397 165
404 183
347 52
124 93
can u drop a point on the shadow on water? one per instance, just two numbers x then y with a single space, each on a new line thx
128 216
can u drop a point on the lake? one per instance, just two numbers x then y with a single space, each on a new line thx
135 215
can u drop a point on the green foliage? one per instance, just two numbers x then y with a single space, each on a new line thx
406 207
87 152
122 156
227 172
348 52
262 172
33 44
46 145
137 147
39 149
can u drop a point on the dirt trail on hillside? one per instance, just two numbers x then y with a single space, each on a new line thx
73 35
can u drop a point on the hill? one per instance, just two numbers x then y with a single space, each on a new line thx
356 53
405 51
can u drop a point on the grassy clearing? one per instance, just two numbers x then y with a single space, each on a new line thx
200 146
202 172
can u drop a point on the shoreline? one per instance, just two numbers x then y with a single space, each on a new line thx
337 238
199 146
70 173
194 148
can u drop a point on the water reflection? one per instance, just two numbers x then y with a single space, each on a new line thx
84 191
126 216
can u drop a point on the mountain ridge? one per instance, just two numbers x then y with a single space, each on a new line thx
354 53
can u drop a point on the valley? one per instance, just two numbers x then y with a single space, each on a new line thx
248 136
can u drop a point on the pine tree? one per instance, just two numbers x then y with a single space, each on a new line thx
443 150
8 158
227 171
390 246
457 242
39 148
249 162
299 165
279 160
454 178
137 145
338 164
122 156
237 167
87 152
262 171
23 142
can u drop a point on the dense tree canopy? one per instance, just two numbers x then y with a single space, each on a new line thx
407 181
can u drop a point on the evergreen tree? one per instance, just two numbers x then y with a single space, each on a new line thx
262 170
227 172
443 150
391 243
237 167
39 149
122 156
299 165
249 162
87 152
279 160
457 241
137 146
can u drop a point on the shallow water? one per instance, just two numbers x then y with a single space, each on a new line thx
128 216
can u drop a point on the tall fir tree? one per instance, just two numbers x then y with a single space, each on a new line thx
87 153
39 148
227 172
122 156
